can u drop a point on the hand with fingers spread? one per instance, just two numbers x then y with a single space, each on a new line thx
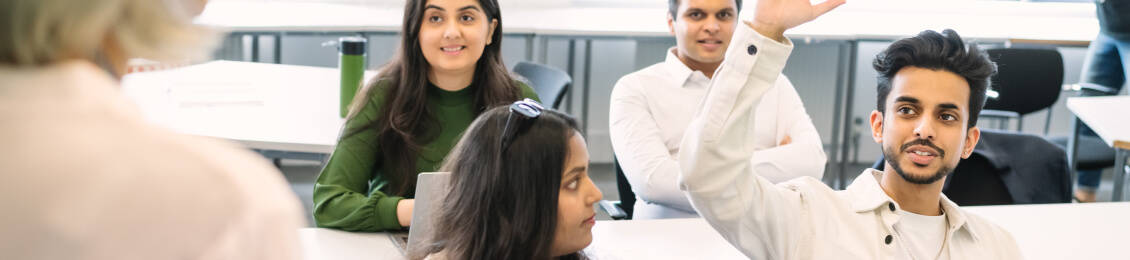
772 17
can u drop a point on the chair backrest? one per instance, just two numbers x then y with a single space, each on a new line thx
1027 169
624 188
1028 79
550 83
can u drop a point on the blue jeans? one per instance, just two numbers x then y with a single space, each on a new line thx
1107 64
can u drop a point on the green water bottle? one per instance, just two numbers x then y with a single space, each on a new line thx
351 62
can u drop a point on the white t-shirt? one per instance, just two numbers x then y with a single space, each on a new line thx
922 236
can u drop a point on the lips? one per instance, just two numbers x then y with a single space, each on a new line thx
921 155
452 49
710 44
590 221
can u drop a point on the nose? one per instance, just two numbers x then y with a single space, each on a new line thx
924 129
594 196
451 31
712 26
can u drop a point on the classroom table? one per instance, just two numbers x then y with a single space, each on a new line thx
282 111
1043 231
1106 116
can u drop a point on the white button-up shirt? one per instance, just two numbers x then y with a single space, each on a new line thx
801 218
650 110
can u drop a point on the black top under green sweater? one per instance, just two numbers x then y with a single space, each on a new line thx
350 193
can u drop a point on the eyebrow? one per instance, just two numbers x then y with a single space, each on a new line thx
906 99
574 171
948 106
472 7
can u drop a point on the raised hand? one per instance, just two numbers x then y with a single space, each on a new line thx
772 17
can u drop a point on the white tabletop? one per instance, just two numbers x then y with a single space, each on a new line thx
330 244
1047 231
1065 231
1106 115
263 106
879 20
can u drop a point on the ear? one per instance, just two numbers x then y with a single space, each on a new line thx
670 24
877 126
490 33
972 136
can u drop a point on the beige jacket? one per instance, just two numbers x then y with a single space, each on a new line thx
85 177
801 218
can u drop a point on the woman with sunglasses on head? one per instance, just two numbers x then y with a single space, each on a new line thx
519 189
448 70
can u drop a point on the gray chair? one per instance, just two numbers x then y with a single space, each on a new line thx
1089 152
622 209
1027 80
550 83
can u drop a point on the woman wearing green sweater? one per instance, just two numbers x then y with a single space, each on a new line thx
448 71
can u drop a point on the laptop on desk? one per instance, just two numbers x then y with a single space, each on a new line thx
431 188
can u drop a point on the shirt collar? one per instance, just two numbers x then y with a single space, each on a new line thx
867 195
677 70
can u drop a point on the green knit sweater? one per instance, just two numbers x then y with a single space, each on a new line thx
350 193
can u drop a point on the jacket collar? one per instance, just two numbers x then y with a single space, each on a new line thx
866 195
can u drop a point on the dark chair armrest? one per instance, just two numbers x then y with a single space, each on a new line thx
992 113
613 209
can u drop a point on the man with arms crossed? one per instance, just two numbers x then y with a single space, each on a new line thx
650 110
931 88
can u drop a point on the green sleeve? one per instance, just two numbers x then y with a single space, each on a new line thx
527 91
342 198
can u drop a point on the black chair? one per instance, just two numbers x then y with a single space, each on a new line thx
620 210
1009 168
1089 151
1027 80
550 83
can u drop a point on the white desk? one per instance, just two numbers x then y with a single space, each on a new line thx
330 244
980 20
1065 231
612 240
267 107
1107 117
1049 231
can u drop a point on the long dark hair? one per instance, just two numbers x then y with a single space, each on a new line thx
503 205
405 121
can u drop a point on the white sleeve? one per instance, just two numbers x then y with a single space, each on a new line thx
750 212
804 156
639 147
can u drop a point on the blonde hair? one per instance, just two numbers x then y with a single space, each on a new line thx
40 32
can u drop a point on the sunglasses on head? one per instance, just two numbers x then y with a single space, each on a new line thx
521 114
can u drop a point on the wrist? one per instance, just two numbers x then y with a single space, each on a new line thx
777 33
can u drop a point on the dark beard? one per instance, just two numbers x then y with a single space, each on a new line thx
892 160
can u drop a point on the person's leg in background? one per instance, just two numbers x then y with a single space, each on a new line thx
1105 65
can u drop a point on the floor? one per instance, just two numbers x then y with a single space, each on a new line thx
301 176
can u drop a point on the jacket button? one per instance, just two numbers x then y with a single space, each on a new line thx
888 239
751 49
891 205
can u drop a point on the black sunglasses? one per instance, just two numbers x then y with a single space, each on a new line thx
527 110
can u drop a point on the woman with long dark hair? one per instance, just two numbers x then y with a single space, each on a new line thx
519 189
448 70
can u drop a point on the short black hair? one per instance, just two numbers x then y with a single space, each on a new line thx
673 8
937 51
